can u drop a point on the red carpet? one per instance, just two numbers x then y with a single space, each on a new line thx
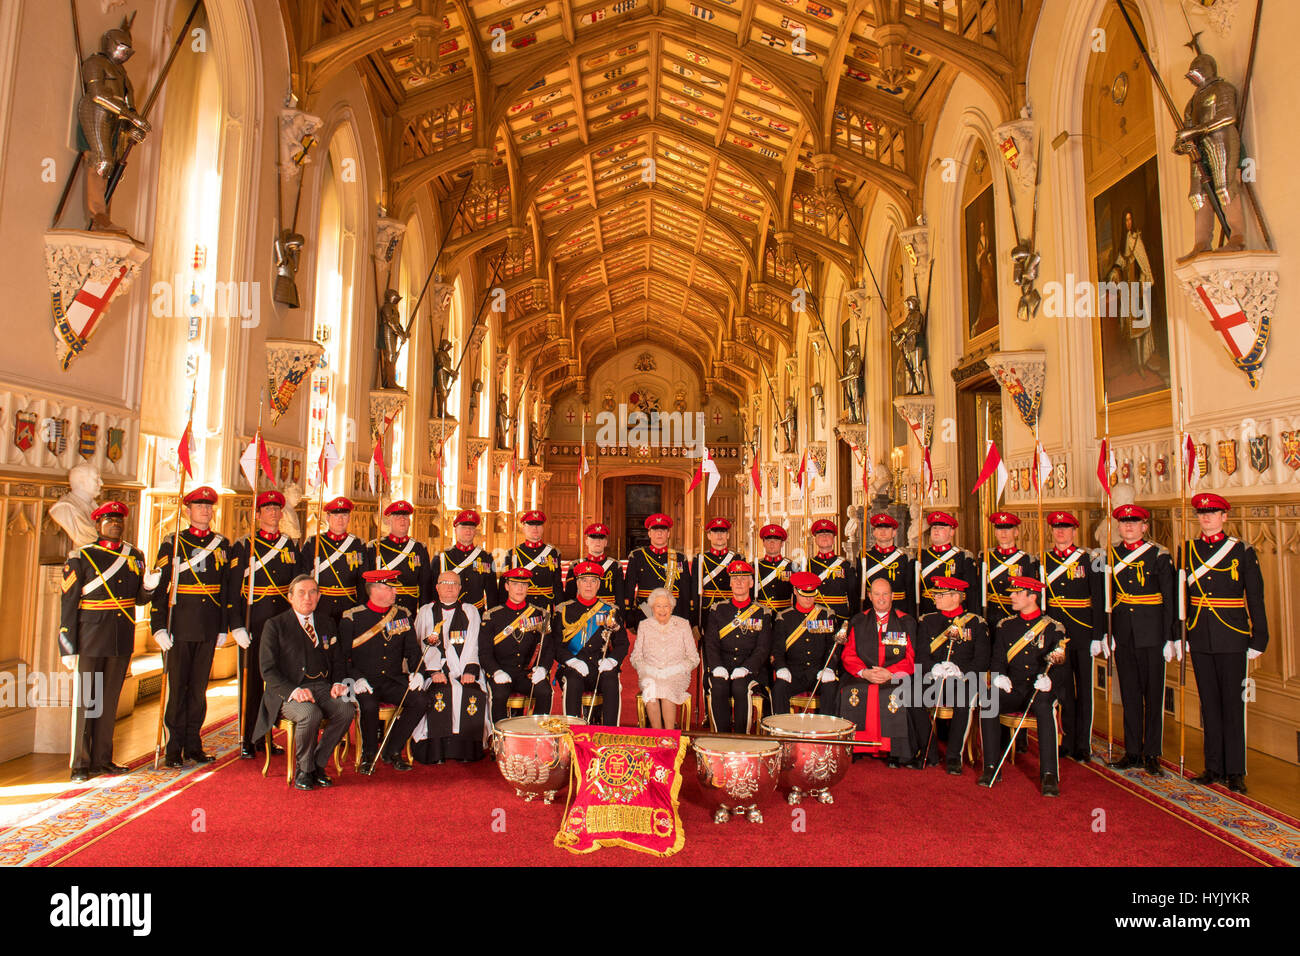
446 815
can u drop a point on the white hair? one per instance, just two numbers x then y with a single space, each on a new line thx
648 607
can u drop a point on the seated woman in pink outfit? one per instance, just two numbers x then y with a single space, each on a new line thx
664 656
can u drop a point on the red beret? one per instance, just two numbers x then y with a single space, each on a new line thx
658 521
380 575
1026 584
532 517
110 509
469 516
1131 513
400 507
338 504
823 525
740 567
941 517
1062 518
1207 501
518 574
202 495
772 531
883 520
948 584
1004 519
583 568
271 497
718 524
597 530
805 581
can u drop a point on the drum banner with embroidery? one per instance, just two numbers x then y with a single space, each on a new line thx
624 791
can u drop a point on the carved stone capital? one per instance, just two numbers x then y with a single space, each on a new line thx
1017 142
385 403
474 448
288 362
441 431
916 243
859 302
918 412
387 234
500 458
855 434
297 135
1022 375
103 264
439 299
1237 292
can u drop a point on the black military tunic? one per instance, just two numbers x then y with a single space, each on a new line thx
649 568
945 562
961 638
337 569
840 589
514 640
1143 617
772 587
543 560
478 579
897 566
710 584
578 633
1225 620
203 595
1003 565
1076 596
802 642
410 559
1020 649
102 584
735 637
275 564
373 643
611 582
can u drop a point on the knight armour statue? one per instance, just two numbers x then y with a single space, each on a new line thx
389 338
288 252
1211 140
107 119
790 425
913 376
443 377
852 382
503 421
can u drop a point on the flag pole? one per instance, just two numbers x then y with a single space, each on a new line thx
1110 631
1184 564
984 525
1042 537
252 554
171 596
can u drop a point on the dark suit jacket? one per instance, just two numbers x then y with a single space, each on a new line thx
289 660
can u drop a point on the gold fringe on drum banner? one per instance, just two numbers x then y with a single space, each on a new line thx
623 789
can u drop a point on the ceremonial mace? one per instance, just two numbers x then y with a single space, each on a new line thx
1109 595
252 553
1184 565
171 591
840 637
609 632
934 714
1023 717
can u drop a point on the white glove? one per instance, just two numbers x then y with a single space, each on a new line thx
739 672
1098 647
826 675
1043 684
163 639
1003 683
938 670
607 664
416 681
1173 649
1251 654
151 579
69 661
720 672
951 669
579 666
223 639
784 674
538 674
500 677
362 687
241 637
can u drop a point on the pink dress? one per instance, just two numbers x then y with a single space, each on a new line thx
664 656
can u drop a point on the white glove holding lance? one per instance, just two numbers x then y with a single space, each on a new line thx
841 636
1023 717
608 631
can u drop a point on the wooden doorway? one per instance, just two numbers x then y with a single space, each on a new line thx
629 499
979 408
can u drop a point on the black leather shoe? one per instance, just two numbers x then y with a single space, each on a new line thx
1126 761
321 778
954 769
893 763
81 775
111 769
173 763
247 751
200 757
986 778
1237 782
303 781
1152 766
1083 756
1207 778
276 750
916 763
398 763
1051 786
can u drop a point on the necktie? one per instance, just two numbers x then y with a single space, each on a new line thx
311 632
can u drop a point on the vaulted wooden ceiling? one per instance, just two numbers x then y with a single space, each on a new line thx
657 170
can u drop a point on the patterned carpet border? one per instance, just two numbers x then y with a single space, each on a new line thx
83 809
